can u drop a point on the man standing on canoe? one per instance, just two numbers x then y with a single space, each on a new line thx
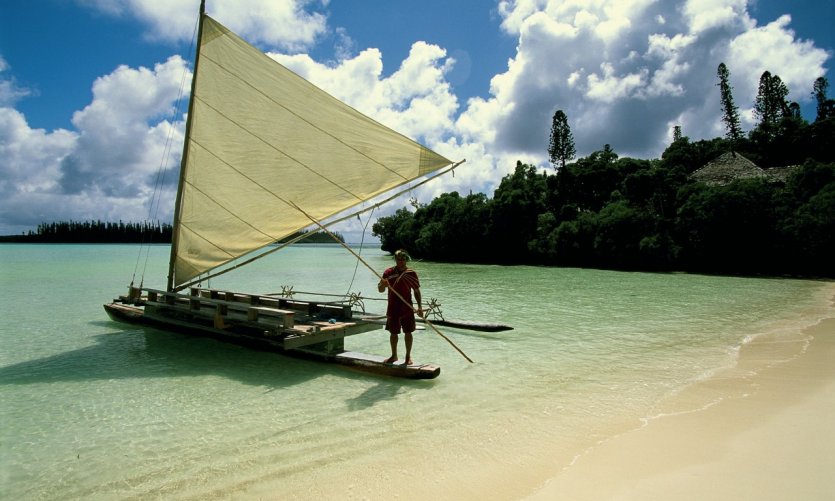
400 314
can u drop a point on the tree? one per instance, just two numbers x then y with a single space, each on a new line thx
561 145
395 231
730 112
770 104
517 202
677 133
826 107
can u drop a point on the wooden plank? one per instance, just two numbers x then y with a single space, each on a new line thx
376 365
316 308
305 335
286 316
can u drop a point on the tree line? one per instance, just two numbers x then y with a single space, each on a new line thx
633 214
146 232
96 232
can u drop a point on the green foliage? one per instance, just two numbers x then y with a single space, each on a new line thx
811 230
770 104
727 228
825 106
396 231
516 203
625 213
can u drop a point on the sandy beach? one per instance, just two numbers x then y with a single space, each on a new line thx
769 435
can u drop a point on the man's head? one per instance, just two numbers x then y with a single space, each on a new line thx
401 257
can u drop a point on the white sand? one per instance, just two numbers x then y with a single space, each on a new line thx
774 438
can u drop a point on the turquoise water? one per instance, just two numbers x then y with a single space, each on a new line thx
93 409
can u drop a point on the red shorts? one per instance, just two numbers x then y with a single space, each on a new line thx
395 324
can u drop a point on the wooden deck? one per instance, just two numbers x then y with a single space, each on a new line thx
309 329
292 324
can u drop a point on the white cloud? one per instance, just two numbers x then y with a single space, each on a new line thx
29 171
278 23
107 167
10 92
773 48
704 15
415 100
612 65
121 131
609 88
623 71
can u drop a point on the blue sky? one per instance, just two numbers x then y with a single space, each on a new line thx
87 87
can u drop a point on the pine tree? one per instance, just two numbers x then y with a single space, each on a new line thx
819 91
561 145
730 112
771 105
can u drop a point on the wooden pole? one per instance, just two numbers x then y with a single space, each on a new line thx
426 320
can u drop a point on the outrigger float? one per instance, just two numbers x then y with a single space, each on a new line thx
266 156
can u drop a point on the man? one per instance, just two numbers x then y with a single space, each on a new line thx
400 314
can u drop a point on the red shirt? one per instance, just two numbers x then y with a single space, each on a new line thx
402 282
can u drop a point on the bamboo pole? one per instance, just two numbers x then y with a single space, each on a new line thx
363 261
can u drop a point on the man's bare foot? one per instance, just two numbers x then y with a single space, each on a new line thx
409 361
390 360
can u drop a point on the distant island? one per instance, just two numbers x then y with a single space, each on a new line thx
99 232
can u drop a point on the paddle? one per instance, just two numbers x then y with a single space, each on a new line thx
426 320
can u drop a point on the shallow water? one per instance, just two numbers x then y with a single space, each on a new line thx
95 409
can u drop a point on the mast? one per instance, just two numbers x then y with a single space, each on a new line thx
183 160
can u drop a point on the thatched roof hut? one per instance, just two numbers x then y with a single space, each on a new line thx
727 168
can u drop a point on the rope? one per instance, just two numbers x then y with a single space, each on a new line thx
426 321
159 180
434 309
329 223
362 241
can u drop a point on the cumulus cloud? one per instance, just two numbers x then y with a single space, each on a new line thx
774 48
121 131
10 92
415 100
285 24
107 167
624 71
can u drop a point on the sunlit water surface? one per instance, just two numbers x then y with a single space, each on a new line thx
93 409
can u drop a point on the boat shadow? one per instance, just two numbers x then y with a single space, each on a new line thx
144 352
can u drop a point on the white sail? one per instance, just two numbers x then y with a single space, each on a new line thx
260 138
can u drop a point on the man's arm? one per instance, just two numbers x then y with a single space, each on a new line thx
420 304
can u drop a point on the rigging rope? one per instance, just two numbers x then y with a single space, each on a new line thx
362 241
304 235
425 320
159 181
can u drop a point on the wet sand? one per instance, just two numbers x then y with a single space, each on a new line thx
769 435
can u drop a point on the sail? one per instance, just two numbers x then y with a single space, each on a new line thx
262 138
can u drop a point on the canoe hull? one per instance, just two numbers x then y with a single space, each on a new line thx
357 361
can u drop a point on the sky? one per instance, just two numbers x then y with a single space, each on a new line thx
91 91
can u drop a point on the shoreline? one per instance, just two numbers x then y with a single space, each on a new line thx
768 435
